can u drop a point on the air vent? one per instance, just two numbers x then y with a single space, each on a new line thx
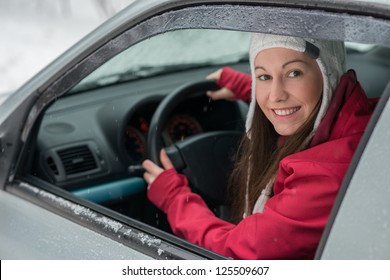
52 165
77 159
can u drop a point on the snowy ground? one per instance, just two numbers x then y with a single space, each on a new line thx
34 32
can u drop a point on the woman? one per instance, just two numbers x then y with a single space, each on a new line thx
304 123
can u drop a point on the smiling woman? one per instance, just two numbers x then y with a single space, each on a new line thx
288 170
288 75
73 138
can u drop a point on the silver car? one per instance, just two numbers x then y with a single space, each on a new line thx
73 137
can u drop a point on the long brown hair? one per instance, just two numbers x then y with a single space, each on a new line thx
258 159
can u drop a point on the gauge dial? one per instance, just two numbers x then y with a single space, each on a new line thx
182 126
134 144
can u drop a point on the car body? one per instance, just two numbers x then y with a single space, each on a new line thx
97 102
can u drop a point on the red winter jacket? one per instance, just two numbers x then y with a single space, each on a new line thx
304 191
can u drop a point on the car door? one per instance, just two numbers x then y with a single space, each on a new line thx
22 113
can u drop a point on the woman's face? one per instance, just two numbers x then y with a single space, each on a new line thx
288 87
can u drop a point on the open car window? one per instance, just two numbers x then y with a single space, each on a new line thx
88 140
92 141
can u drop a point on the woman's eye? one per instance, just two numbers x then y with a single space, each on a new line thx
294 73
263 77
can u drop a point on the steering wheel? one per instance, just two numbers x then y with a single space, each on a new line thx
206 158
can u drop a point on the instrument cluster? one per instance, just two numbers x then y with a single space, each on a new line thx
179 127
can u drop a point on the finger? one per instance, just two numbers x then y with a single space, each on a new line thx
212 77
215 75
149 178
223 93
166 162
212 94
151 167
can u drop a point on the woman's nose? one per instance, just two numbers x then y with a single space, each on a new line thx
277 91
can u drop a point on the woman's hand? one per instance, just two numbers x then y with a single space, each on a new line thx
223 93
152 170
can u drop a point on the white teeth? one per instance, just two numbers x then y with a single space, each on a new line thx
286 112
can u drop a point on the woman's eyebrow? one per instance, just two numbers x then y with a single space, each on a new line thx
294 61
259 67
284 65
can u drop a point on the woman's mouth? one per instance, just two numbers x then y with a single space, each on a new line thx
286 111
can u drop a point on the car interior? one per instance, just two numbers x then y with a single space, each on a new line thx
91 141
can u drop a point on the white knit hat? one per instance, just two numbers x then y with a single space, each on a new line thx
330 56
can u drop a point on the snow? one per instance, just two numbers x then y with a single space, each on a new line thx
34 32
91 216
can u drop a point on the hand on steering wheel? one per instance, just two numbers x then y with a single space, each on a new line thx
152 170
219 94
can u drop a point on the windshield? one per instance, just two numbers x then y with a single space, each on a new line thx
172 51
175 51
